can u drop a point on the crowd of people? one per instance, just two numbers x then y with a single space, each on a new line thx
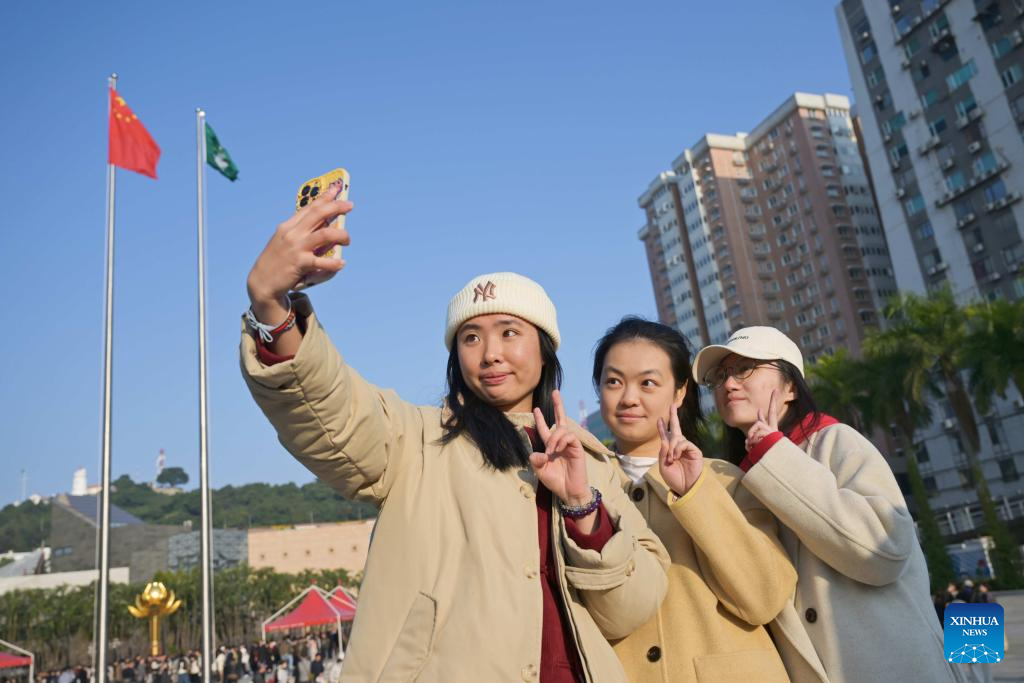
314 658
966 591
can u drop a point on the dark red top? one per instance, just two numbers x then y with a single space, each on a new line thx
798 434
559 658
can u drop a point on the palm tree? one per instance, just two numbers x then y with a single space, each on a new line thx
901 399
994 351
932 332
875 394
838 387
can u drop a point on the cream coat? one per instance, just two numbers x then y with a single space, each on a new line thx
729 577
452 584
862 602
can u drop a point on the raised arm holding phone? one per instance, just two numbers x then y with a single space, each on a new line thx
505 548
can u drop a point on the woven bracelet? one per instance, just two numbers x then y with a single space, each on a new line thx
268 332
579 511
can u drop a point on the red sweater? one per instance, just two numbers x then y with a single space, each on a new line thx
559 658
803 430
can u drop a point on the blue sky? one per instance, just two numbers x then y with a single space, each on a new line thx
480 137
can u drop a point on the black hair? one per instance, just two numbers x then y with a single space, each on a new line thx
487 426
797 411
680 356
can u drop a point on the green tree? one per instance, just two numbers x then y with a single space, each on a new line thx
837 382
712 436
875 393
931 333
994 350
172 476
24 526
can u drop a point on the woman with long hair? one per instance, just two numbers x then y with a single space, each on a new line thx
729 575
504 548
861 604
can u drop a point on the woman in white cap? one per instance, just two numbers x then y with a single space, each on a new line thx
711 626
861 611
504 549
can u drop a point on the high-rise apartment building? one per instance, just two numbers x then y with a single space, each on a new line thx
940 92
940 89
774 227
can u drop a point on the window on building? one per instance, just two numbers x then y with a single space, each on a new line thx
985 163
965 106
936 126
1008 470
989 14
894 123
1012 75
904 24
995 191
938 26
963 208
868 52
961 75
1013 256
914 205
1001 47
875 77
911 47
1017 104
982 268
955 181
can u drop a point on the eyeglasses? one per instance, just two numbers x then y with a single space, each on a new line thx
741 370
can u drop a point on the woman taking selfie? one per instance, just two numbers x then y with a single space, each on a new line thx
504 549
862 601
729 575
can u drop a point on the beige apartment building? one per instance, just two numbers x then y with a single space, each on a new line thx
294 548
775 227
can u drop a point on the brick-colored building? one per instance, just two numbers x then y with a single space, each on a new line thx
775 227
294 548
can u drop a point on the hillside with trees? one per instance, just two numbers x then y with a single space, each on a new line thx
26 526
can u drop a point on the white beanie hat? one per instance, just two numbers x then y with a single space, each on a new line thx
757 342
501 293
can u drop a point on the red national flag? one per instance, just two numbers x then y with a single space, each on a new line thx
131 146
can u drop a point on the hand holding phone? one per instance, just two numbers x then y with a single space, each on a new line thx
334 185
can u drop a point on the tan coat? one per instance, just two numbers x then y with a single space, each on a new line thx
452 583
729 577
862 604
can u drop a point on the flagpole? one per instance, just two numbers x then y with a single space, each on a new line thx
204 475
103 547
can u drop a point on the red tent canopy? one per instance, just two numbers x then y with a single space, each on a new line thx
344 603
9 661
314 610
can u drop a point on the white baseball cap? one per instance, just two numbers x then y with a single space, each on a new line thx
757 342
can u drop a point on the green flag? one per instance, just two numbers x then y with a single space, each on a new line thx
218 157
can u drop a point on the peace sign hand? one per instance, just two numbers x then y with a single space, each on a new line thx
562 467
679 460
764 425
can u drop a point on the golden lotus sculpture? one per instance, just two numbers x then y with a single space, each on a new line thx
153 602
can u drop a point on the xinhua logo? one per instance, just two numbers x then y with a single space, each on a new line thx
973 633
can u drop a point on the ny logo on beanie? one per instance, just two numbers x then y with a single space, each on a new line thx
484 292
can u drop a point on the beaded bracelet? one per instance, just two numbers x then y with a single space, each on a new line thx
268 332
580 511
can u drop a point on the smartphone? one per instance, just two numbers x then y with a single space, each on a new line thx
334 185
